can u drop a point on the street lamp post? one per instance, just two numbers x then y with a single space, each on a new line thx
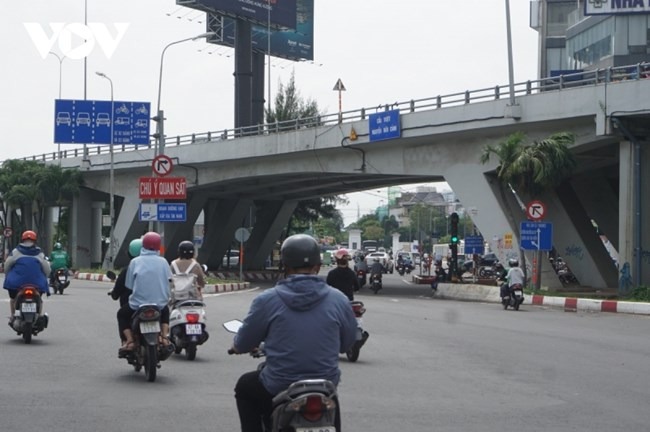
160 115
511 74
60 59
109 261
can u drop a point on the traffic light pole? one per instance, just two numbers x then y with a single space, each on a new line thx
453 246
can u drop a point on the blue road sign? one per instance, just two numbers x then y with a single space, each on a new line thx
474 245
163 212
384 125
97 122
168 212
536 236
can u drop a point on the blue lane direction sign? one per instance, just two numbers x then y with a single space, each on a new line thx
536 236
97 122
384 125
474 245
163 212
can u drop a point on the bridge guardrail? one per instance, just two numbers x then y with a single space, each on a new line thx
556 83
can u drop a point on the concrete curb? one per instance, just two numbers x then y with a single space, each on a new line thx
209 289
490 294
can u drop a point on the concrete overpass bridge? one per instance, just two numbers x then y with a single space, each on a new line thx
259 173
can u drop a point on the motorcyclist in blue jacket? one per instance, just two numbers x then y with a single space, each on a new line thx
302 316
26 265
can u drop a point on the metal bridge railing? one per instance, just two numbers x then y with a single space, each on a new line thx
556 83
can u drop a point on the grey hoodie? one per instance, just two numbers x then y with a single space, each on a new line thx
304 324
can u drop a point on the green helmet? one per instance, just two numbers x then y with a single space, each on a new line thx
134 248
57 246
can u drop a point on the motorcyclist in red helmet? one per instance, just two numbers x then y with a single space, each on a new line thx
343 277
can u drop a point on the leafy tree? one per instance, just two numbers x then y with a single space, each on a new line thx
290 105
530 168
27 188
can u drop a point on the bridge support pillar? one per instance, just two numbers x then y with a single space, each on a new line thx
271 219
178 232
85 229
628 238
222 218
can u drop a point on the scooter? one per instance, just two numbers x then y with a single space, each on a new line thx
60 281
148 351
361 277
514 297
187 326
27 320
362 336
375 282
306 406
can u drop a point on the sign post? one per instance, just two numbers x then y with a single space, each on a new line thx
241 235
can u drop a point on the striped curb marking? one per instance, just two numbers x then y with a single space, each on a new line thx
209 289
575 304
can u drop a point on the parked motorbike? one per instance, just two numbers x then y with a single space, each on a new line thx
361 276
362 336
148 351
487 272
60 281
26 320
375 282
187 327
514 297
306 406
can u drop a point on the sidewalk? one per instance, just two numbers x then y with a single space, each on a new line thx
209 289
490 294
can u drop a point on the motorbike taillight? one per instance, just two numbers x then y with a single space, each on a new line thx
192 317
358 309
313 408
29 292
149 314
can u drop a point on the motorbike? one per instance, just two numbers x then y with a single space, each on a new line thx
404 268
487 271
514 297
26 320
305 406
148 351
362 336
375 282
434 283
361 276
187 327
60 281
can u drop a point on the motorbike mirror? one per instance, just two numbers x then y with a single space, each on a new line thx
111 275
233 326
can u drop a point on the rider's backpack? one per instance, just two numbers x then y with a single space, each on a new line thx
184 286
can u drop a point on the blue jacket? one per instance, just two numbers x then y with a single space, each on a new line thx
26 265
148 277
304 324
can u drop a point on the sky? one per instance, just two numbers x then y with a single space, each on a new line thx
383 51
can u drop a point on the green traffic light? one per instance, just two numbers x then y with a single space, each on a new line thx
454 239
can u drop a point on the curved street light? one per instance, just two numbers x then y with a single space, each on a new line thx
160 138
111 188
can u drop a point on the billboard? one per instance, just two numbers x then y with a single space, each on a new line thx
280 13
616 7
295 44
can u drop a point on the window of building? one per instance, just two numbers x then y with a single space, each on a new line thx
592 45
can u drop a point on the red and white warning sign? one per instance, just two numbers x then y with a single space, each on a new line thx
162 165
535 210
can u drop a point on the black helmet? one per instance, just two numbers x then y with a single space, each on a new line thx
513 262
186 249
299 251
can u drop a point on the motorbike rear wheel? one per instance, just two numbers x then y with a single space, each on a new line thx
151 362
190 351
353 353
517 303
27 332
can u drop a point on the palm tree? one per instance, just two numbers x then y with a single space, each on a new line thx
531 169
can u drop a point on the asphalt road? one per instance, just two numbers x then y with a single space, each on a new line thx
429 364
